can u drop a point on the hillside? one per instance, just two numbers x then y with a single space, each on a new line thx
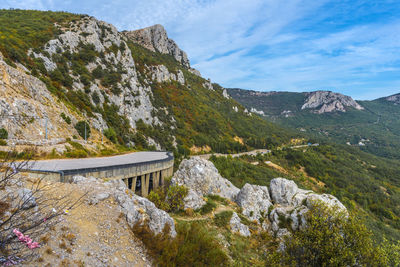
135 89
373 126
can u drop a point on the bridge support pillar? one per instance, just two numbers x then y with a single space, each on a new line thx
133 188
156 179
143 186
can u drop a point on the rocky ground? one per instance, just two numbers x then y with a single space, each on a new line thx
90 235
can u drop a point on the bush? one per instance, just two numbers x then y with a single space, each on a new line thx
332 239
3 142
111 135
194 245
208 207
3 133
83 127
222 219
66 118
169 197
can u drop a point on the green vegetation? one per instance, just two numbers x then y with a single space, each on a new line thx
366 184
169 197
331 239
21 30
66 118
3 133
222 219
3 142
83 129
208 207
193 246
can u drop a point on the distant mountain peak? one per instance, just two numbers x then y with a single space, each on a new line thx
327 101
394 98
155 38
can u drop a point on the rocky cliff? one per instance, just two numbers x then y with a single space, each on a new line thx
133 88
155 38
327 101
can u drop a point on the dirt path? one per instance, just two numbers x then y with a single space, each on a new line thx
207 216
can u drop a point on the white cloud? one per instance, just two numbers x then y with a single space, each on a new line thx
265 44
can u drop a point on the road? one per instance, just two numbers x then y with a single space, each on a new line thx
76 164
252 153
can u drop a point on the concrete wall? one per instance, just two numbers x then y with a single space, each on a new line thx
140 178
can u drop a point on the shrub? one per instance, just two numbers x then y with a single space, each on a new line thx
83 129
111 135
169 197
3 133
222 219
194 245
208 207
332 239
95 97
66 118
3 142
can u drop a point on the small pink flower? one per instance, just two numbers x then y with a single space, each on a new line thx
26 239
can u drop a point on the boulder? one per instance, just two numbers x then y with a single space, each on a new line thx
327 199
282 191
201 176
193 200
254 201
139 210
237 226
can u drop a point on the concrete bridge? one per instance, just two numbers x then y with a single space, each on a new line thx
141 171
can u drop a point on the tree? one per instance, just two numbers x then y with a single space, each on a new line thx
332 238
83 129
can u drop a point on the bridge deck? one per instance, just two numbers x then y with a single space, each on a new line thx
103 162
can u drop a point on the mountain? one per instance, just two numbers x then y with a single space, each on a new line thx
288 103
134 88
68 77
373 126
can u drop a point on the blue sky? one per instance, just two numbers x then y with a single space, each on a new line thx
352 47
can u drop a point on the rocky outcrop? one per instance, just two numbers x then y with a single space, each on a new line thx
161 74
137 210
203 178
327 101
254 201
281 208
134 97
26 106
155 38
238 227
394 98
193 200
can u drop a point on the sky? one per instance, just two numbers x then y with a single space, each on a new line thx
347 46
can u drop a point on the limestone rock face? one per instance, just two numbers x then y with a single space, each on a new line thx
237 226
394 98
138 210
155 38
134 98
326 101
329 200
254 201
193 200
161 74
202 177
282 190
